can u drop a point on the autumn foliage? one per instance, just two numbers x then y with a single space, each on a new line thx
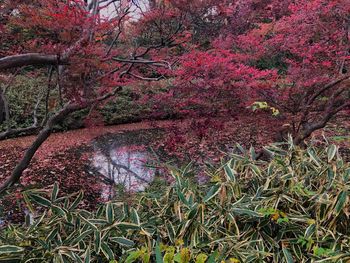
207 58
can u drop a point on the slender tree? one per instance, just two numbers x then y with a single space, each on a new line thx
88 52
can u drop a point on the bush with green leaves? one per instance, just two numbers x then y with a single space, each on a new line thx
22 97
25 92
293 208
124 109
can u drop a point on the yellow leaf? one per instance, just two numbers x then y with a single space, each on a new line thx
275 216
185 255
311 221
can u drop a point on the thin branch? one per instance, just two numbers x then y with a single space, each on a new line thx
145 78
160 63
119 31
3 95
47 97
35 111
325 88
126 71
342 107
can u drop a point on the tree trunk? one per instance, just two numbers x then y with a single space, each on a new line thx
42 136
19 132
45 133
2 111
4 107
29 59
307 129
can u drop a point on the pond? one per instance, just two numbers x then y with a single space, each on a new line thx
109 166
124 166
124 162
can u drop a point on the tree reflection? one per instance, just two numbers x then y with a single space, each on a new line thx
124 166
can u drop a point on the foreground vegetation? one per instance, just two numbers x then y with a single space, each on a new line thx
293 208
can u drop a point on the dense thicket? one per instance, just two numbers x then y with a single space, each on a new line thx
294 208
183 58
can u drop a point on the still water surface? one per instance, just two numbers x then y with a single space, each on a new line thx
123 166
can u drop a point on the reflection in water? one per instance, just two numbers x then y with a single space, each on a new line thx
124 166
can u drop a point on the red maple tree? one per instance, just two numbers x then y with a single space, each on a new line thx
217 57
291 54
89 54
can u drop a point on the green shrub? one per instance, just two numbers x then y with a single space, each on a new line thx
26 91
294 208
22 97
123 109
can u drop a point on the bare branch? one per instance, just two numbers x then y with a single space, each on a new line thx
47 97
160 63
126 71
119 31
325 88
16 132
342 107
35 111
145 78
29 59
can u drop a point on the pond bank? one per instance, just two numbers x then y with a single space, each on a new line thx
63 140
67 157
84 167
